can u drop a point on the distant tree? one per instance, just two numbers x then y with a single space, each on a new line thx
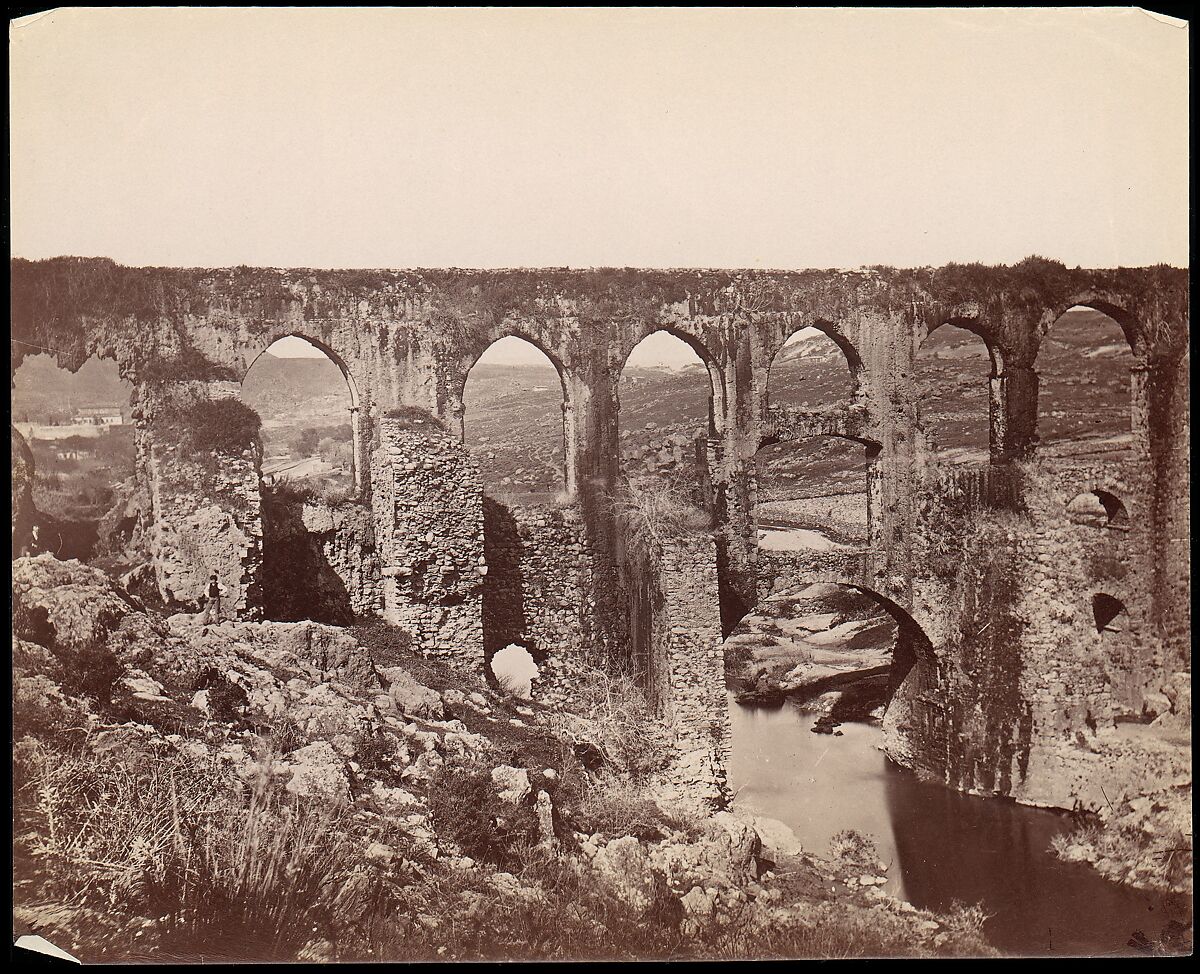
307 442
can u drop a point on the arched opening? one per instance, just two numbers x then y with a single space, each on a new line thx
812 494
810 371
79 431
811 675
1098 508
952 369
515 671
827 638
666 400
307 404
513 422
514 425
318 542
1107 612
1083 368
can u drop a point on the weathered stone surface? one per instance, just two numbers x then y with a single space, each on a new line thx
318 770
512 784
777 839
624 867
24 514
73 608
409 696
1009 679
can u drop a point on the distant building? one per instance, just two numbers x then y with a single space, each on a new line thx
99 416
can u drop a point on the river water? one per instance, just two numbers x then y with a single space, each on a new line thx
940 845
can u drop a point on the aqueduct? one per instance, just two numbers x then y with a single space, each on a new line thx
1018 690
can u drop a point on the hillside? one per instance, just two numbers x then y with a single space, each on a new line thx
308 388
295 792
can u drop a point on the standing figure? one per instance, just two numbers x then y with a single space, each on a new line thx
212 607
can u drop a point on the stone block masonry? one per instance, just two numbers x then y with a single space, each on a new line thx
675 621
206 514
539 590
1030 694
319 561
427 505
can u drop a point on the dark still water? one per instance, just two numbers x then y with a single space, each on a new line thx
940 845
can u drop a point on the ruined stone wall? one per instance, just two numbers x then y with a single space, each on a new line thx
205 513
319 562
538 591
790 571
427 504
410 338
1025 697
695 704
24 514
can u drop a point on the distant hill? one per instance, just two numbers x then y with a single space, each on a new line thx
286 387
44 393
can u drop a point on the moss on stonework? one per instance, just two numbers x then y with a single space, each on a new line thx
987 647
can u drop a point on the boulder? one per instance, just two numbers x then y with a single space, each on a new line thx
818 622
318 771
624 868
512 784
744 845
1154 704
699 902
71 607
778 840
328 648
410 697
394 801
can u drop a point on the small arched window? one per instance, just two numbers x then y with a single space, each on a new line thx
1098 508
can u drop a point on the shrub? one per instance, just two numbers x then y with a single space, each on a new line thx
287 491
615 807
465 808
252 877
611 717
389 645
189 364
226 700
652 516
853 847
413 417
227 427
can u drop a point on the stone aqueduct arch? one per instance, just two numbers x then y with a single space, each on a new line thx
409 338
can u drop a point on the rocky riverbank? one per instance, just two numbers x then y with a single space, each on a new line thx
294 791
826 647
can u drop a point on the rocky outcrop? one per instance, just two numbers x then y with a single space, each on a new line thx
288 734
72 608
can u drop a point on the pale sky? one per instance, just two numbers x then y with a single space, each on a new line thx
598 137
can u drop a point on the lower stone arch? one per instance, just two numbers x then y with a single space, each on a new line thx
911 653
